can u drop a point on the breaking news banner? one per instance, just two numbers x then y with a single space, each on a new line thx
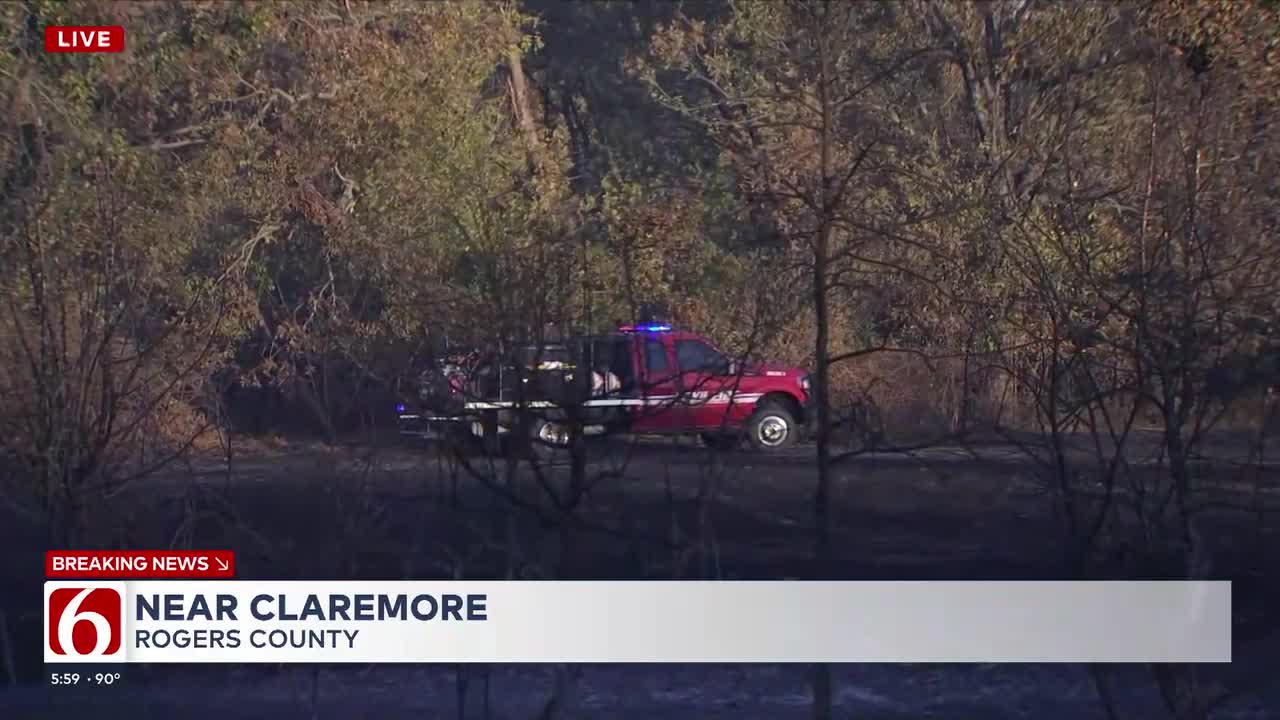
243 621
188 564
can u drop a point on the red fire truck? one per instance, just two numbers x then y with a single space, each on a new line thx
642 379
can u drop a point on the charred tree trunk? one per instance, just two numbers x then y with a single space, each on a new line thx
822 705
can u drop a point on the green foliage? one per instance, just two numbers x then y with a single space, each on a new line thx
310 180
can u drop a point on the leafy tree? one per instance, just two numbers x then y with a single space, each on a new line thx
798 99
110 319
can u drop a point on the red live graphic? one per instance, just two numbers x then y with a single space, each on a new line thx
82 38
139 564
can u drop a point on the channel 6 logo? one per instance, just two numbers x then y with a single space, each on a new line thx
83 622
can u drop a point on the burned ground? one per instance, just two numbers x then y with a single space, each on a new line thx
653 511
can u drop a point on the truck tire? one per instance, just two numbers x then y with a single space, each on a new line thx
548 442
772 427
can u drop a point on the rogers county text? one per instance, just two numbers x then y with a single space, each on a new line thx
206 639
360 607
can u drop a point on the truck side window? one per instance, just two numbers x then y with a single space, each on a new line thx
694 356
655 356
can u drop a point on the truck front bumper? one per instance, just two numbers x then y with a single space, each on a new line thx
810 425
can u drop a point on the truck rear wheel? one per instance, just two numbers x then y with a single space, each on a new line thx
549 441
772 427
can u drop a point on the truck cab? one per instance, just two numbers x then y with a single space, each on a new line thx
689 386
643 379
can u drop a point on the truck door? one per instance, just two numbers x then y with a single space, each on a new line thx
658 388
705 384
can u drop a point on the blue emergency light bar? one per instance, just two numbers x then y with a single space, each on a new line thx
645 328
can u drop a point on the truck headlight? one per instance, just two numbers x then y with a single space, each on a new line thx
805 384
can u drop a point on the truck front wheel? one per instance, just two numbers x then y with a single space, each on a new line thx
549 441
772 427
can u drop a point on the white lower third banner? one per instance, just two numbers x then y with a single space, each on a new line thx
242 621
